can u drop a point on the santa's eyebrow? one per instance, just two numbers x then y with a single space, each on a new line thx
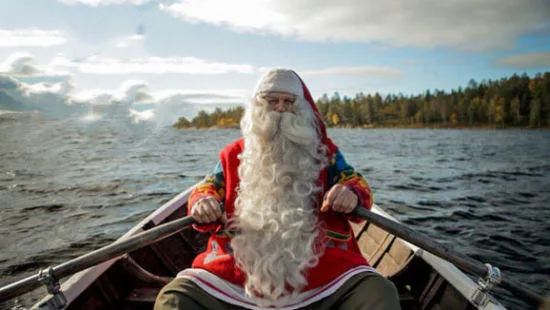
292 97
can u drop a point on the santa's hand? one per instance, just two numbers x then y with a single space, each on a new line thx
340 198
206 210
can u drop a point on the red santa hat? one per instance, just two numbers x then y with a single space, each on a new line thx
288 81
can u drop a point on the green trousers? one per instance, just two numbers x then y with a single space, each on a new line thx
363 291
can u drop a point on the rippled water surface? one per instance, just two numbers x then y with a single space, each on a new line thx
71 186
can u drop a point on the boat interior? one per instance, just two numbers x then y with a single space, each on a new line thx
134 280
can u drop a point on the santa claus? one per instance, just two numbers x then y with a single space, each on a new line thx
284 240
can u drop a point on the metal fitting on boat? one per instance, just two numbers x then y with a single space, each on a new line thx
481 295
58 300
492 278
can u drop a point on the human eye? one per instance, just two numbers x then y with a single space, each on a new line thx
270 100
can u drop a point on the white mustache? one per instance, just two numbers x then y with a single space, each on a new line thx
287 125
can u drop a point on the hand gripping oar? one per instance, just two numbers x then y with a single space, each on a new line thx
101 255
462 261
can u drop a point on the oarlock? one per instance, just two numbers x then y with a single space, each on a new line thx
57 300
485 285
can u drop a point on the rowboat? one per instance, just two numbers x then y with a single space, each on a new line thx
133 280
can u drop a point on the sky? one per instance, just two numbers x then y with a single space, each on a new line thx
210 53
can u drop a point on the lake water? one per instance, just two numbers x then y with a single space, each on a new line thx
70 186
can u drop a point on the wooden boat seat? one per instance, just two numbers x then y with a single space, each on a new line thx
394 259
382 250
372 241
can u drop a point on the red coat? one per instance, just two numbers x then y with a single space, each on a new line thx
341 253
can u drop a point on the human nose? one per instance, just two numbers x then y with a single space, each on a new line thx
280 106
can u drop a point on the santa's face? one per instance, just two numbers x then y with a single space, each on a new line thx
280 101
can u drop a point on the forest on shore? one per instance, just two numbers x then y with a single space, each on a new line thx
512 102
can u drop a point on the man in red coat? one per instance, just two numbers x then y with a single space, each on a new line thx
284 240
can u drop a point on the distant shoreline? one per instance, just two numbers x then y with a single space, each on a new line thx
515 102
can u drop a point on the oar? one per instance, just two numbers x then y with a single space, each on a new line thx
103 254
462 261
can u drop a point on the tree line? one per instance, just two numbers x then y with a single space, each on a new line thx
229 118
516 101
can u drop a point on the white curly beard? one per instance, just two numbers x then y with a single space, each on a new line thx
275 209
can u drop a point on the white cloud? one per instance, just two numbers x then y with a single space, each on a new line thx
24 66
26 86
127 41
21 63
104 2
151 65
93 96
468 25
134 100
141 116
31 38
35 79
239 14
201 96
361 71
130 91
526 61
48 98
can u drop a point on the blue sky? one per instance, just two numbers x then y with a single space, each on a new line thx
219 48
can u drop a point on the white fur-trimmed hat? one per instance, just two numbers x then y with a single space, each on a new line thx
280 80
